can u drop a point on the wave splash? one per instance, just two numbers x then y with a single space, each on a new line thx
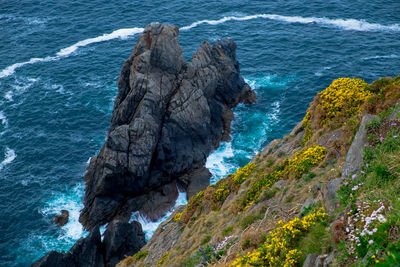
9 156
346 24
150 227
64 52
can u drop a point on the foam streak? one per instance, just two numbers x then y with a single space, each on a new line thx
121 33
9 157
346 24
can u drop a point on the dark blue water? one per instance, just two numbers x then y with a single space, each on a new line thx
60 60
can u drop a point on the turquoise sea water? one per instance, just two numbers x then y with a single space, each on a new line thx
59 63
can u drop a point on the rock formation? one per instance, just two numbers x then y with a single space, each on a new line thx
120 239
62 219
168 116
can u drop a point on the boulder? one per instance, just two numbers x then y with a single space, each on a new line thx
168 116
62 219
120 239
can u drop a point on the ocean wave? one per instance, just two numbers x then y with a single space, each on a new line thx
267 81
9 156
28 20
150 227
381 57
217 162
346 24
71 201
121 33
64 52
3 119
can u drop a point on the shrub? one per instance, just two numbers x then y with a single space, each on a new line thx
343 98
242 174
278 249
304 160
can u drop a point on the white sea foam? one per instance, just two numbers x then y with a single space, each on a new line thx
121 33
346 24
71 201
217 162
9 96
9 156
3 119
150 227
382 57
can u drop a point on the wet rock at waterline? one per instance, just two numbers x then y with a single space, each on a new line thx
120 239
62 219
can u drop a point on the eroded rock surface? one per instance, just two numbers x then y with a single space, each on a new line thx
168 116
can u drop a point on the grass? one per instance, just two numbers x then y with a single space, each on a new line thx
376 185
318 241
228 230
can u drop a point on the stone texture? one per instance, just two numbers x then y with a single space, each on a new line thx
86 252
62 219
310 260
120 239
168 116
329 193
354 157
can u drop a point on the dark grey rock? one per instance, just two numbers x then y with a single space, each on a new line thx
86 252
168 116
62 219
120 239
354 157
310 260
329 193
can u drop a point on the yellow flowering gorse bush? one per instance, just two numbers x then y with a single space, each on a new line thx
242 174
304 160
278 249
343 98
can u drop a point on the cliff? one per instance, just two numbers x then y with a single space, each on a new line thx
168 116
324 195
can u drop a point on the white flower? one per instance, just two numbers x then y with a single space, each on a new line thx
371 242
347 229
381 218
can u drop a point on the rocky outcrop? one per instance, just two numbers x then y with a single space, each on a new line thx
62 219
85 252
120 239
354 157
168 116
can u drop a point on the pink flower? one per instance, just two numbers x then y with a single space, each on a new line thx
366 165
393 124
363 172
353 176
394 136
338 205
381 139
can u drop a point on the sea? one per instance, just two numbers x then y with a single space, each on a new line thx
59 65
